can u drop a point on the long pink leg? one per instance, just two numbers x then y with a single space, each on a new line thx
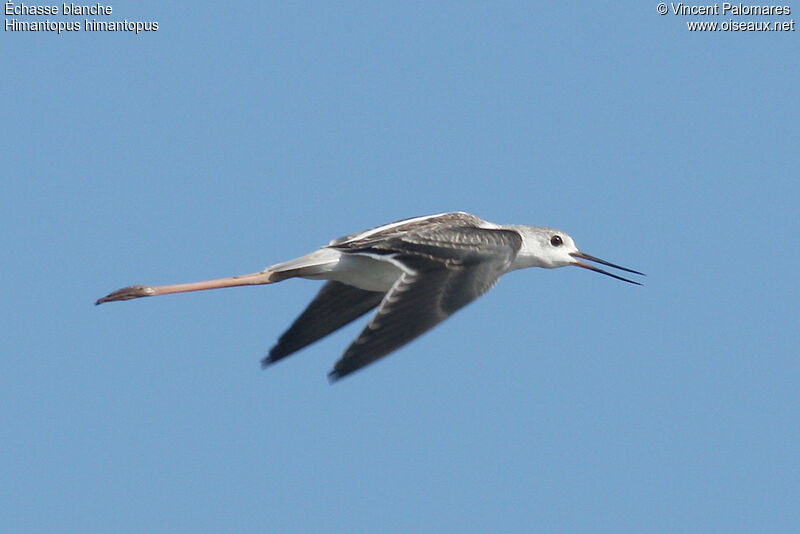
134 292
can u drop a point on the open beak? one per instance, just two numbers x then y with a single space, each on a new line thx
603 262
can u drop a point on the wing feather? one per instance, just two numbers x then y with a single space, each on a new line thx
420 299
335 305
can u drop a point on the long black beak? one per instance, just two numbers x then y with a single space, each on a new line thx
603 262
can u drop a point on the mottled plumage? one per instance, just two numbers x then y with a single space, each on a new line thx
417 272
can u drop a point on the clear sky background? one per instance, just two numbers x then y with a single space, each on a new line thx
240 135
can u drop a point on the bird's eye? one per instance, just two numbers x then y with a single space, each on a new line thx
556 241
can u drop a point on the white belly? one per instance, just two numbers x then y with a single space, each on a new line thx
362 272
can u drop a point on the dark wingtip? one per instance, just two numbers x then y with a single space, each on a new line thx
276 354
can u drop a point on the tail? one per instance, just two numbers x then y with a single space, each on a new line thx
313 265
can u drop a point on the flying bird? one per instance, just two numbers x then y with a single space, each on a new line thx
417 272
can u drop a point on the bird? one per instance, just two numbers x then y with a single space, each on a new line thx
417 272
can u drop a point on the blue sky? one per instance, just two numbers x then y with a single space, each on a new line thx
241 135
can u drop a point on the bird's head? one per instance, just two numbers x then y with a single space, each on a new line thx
551 248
